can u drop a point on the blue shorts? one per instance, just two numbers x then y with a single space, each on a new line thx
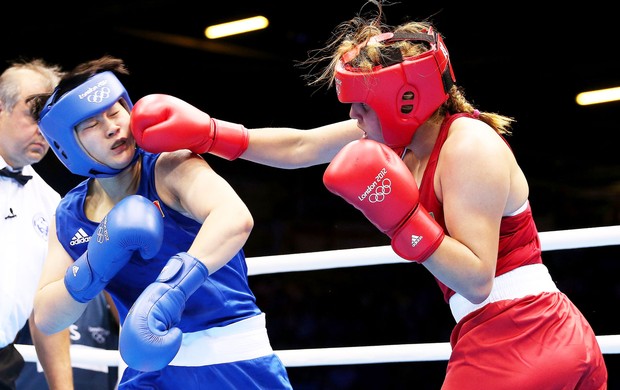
266 372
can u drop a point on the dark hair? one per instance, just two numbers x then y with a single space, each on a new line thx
75 77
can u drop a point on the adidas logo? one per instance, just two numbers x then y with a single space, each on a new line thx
80 237
415 240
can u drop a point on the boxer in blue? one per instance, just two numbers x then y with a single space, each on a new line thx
163 234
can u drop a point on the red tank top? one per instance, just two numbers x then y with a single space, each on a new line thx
519 243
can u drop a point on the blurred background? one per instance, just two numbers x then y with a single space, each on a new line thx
513 58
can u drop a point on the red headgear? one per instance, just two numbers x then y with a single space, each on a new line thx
421 82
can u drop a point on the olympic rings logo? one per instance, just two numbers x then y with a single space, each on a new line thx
98 96
381 191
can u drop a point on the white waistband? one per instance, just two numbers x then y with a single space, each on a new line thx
520 282
243 340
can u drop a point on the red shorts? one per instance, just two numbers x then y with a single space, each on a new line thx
535 342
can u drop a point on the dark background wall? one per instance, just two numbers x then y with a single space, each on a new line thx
512 58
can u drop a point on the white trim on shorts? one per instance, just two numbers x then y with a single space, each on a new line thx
520 209
527 280
243 340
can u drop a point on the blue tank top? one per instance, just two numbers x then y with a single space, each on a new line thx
223 299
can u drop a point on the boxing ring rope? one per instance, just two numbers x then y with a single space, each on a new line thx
552 240
560 239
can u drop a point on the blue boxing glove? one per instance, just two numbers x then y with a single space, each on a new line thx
135 223
149 338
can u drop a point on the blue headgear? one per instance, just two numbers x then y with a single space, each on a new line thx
62 113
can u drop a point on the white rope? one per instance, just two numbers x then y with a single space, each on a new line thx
561 239
580 238
392 353
99 357
320 356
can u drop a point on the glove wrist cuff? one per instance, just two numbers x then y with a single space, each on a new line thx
419 237
230 139
81 282
185 272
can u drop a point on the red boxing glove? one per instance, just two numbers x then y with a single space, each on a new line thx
371 177
163 123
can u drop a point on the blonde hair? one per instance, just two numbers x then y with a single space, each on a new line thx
356 34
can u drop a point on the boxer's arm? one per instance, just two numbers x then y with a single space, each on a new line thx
54 309
190 186
165 123
150 337
290 148
134 224
372 178
53 354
